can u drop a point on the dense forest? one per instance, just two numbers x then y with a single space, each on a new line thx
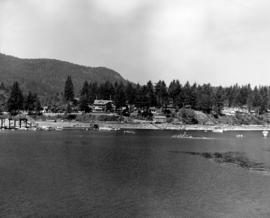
204 97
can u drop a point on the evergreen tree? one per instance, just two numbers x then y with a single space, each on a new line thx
106 90
218 100
15 101
119 98
138 95
161 93
257 100
250 100
68 108
205 102
85 89
37 104
69 90
186 94
85 98
231 95
130 93
144 98
264 99
174 91
150 94
29 102
242 95
193 96
84 104
93 92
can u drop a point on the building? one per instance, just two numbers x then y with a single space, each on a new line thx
170 108
103 105
159 119
231 111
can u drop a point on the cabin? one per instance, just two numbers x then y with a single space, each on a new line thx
159 119
169 108
103 105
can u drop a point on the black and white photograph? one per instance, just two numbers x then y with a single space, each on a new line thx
134 108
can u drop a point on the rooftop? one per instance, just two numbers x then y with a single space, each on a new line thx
102 102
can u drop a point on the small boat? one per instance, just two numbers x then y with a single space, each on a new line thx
217 130
108 128
129 132
182 136
105 128
265 133
45 128
58 128
239 136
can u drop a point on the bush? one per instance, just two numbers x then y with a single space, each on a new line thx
188 116
70 116
107 118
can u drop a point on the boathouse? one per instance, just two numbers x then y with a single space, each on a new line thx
15 122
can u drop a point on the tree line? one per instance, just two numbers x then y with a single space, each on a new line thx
206 97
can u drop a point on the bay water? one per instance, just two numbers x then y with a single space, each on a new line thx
76 173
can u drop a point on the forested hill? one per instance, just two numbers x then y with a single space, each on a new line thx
47 76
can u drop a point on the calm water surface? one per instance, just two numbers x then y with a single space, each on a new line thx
111 174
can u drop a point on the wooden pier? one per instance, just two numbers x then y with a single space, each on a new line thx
15 122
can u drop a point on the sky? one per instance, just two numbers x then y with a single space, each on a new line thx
218 41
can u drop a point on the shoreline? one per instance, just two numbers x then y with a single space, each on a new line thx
150 126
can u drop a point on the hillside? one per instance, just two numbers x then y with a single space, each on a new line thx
48 76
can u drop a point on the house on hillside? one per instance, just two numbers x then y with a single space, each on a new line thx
170 108
231 111
159 119
103 106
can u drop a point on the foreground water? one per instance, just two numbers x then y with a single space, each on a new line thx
147 174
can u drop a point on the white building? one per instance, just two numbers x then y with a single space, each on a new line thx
159 119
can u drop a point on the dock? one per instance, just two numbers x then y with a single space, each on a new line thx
16 122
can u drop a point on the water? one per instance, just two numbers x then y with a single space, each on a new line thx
147 174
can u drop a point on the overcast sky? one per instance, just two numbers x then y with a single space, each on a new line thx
218 41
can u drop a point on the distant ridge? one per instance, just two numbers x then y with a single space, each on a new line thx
47 76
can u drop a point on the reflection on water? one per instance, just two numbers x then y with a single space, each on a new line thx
147 174
237 158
